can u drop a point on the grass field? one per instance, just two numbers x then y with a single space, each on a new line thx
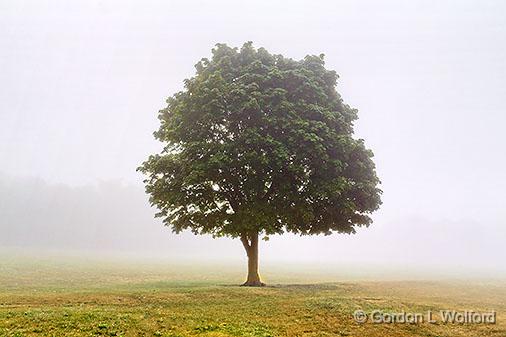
54 297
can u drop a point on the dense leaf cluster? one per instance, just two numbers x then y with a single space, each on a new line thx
261 143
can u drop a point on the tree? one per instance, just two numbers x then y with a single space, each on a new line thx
259 144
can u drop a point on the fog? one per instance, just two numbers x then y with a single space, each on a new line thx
81 83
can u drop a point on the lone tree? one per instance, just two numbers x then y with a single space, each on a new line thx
259 144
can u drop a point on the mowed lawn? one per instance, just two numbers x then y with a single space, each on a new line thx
69 298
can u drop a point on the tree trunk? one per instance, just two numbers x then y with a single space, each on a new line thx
250 243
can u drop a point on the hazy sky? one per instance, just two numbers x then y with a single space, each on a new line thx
81 83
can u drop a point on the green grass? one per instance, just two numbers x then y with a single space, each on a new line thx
48 297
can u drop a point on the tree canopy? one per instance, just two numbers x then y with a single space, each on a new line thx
261 143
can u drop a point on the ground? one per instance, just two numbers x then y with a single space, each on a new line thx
57 298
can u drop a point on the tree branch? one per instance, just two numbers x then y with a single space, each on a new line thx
245 242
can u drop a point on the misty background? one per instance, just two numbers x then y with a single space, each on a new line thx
81 83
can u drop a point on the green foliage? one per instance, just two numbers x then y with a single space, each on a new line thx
261 143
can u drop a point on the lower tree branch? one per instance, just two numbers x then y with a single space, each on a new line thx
245 242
